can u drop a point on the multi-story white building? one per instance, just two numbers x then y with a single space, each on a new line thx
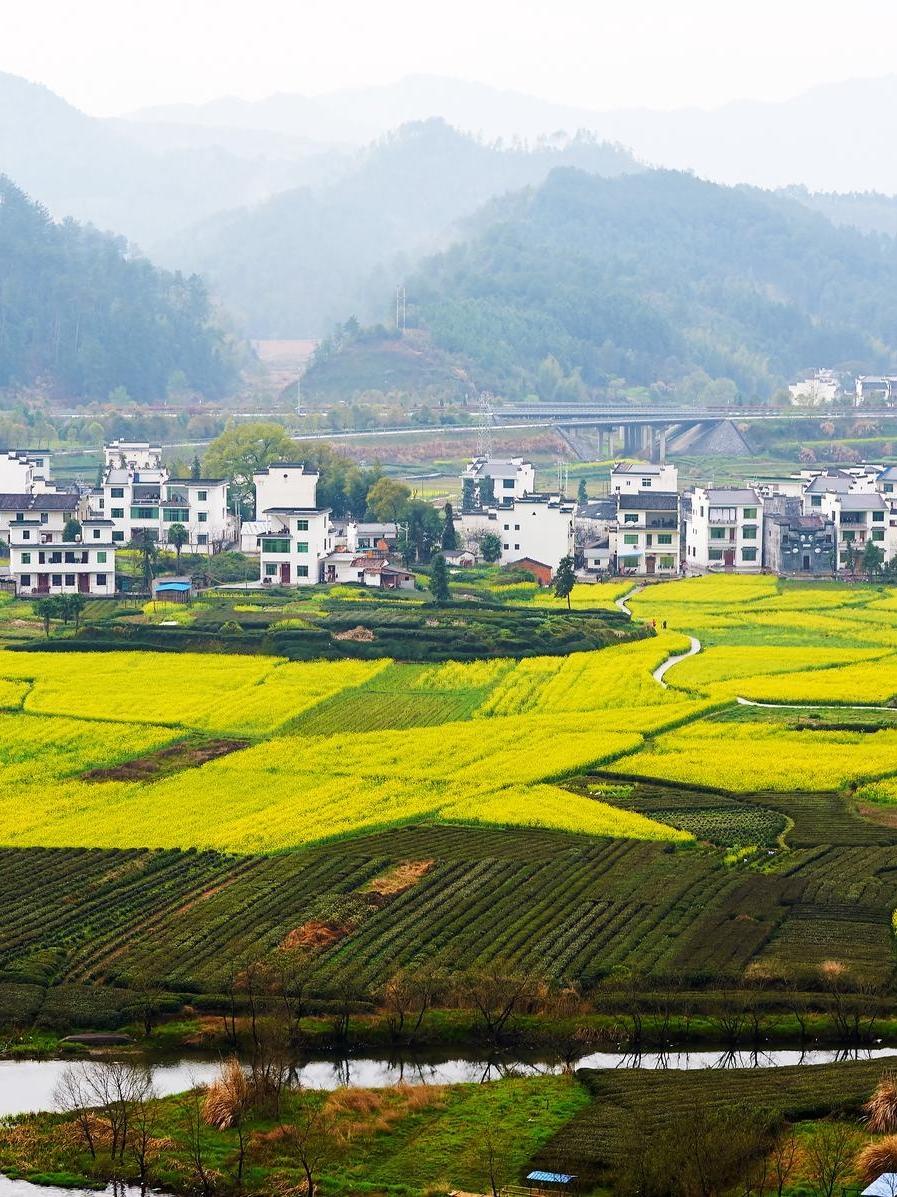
297 535
43 562
859 519
139 495
723 529
644 537
47 511
634 477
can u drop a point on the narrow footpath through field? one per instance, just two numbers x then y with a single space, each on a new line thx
693 647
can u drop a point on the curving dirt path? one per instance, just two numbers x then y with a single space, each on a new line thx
813 706
694 647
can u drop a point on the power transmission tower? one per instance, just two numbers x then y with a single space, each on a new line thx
400 307
563 475
485 425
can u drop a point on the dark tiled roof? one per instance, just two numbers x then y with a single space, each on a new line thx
39 502
650 501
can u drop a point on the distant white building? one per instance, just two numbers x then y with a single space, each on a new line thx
821 387
631 477
723 529
490 481
25 471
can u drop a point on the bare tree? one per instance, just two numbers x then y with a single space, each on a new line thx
141 1124
829 1155
72 1096
191 1120
407 997
314 1136
496 992
783 1159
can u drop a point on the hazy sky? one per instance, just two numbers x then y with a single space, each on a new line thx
110 56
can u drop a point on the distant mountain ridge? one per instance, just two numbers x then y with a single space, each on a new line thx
656 277
836 137
309 258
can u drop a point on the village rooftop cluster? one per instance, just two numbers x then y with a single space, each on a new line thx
817 523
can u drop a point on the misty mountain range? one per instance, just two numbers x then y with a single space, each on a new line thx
301 212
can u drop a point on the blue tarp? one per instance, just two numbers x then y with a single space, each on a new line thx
551 1178
182 586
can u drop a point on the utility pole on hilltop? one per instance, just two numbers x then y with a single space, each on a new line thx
400 307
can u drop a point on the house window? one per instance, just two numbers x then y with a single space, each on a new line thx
717 533
507 527
630 538
716 554
847 537
118 537
275 544
301 546
144 513
26 579
664 538
507 483
118 513
44 518
631 517
667 562
271 569
301 571
202 538
70 579
101 579
26 558
749 554
117 492
878 533
203 517
96 533
202 496
56 558
101 557
888 487
516 527
301 525
749 513
506 547
516 546
646 484
749 531
171 515
56 579
816 500
26 535
878 517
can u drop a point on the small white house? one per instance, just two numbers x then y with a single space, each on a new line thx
539 527
494 480
644 538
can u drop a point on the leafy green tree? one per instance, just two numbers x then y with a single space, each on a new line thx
144 543
490 547
564 579
421 531
582 493
468 495
71 607
244 449
195 468
872 560
46 609
72 530
439 583
449 535
388 499
178 536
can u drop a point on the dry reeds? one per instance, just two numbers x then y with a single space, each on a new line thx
881 1108
228 1096
876 1158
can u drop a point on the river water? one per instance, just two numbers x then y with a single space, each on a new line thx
28 1085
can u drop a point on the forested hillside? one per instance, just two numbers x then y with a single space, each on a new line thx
657 277
81 316
307 258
